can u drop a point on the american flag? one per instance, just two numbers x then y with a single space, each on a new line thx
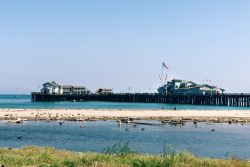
164 65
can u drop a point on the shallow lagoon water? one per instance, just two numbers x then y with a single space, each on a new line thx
226 141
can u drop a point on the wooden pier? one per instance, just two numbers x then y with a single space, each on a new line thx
237 100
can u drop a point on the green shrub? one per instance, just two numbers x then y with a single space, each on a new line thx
119 149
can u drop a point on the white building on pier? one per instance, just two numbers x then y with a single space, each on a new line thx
55 89
51 88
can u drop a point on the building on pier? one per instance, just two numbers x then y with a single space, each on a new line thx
52 88
180 87
104 91
75 90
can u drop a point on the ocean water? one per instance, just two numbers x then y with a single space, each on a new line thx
225 142
24 101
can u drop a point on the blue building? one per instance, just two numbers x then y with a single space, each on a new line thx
180 87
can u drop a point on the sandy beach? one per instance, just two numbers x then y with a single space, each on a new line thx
83 114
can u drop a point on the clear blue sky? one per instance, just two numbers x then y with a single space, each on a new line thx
117 44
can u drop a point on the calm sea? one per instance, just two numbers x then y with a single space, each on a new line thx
24 101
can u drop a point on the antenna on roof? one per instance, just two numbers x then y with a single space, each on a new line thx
166 77
160 78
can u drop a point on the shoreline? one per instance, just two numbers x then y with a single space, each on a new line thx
216 116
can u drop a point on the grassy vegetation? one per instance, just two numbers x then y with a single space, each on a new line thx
115 156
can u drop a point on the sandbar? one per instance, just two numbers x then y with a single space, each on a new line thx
116 114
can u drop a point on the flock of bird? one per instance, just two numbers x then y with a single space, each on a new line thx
61 117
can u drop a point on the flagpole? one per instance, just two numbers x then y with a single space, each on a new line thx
162 74
165 79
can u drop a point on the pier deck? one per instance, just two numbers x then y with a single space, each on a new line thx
241 100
